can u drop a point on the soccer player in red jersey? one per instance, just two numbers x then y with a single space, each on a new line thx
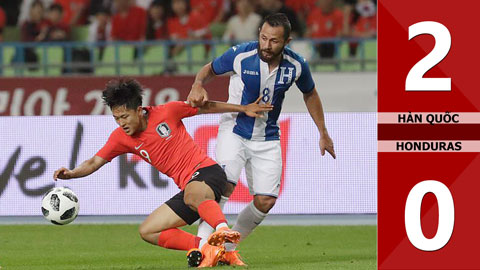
158 136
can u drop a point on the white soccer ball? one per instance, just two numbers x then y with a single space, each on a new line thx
60 205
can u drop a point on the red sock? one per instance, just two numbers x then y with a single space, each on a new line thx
178 239
210 212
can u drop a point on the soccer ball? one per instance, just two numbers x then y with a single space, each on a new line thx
60 205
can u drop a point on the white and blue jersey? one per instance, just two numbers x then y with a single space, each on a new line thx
250 79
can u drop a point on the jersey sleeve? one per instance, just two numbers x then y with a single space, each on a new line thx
224 63
305 81
180 109
113 147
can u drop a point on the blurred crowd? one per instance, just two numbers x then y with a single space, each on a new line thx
51 20
235 20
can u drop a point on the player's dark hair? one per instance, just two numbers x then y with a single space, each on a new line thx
123 92
279 19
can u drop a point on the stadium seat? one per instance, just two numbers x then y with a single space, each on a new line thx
130 65
54 56
11 33
108 58
217 29
154 58
189 61
125 58
198 59
79 33
371 55
37 72
8 53
348 63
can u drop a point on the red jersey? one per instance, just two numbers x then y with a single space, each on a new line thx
3 18
71 7
183 28
130 27
300 6
325 25
208 8
366 24
165 143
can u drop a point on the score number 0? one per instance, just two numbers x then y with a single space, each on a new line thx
416 82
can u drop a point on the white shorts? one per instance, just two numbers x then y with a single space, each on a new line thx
262 161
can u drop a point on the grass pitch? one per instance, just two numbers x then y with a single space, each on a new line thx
118 247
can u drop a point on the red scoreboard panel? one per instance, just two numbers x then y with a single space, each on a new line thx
428 134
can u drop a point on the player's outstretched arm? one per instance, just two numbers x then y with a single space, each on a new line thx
87 167
198 96
253 109
314 106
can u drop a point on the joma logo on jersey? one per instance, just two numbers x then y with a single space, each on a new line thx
250 72
163 130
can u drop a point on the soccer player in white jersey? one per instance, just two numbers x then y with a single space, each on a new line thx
268 69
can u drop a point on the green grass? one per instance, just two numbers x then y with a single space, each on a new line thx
120 247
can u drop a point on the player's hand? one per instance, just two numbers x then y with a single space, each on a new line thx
62 173
326 144
255 109
198 96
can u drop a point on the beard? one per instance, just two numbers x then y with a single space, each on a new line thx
268 55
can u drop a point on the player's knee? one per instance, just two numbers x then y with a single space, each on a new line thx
144 231
264 203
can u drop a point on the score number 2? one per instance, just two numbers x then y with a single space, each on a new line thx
443 42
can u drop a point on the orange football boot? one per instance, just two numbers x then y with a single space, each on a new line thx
223 235
232 258
211 255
